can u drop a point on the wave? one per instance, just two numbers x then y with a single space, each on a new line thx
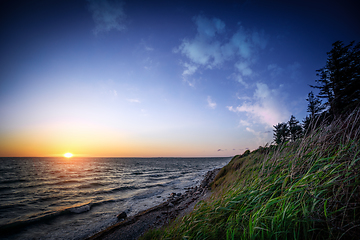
121 189
173 177
107 191
91 185
156 175
5 188
13 227
80 209
13 181
12 205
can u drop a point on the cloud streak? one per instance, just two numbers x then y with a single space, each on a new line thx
108 15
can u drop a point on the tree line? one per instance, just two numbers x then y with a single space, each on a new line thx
339 86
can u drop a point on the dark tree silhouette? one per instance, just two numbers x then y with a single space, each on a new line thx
306 124
339 81
295 128
281 133
314 106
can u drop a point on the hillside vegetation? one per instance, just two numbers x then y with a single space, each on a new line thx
305 189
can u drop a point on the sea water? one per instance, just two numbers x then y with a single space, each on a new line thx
58 198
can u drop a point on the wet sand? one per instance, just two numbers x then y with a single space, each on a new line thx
177 205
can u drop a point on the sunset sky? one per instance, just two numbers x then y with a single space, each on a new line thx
159 78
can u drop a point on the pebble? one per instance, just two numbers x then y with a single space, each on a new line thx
122 215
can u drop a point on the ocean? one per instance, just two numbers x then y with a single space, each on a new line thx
59 198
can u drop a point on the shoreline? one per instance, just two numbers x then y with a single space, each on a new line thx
133 227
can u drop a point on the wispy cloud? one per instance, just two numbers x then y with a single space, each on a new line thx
275 70
266 107
260 137
133 100
238 77
190 69
211 104
210 48
244 123
146 46
107 15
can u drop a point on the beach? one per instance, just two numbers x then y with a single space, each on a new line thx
177 205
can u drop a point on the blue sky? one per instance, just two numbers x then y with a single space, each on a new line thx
159 78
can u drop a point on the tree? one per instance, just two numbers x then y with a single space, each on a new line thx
306 124
314 106
339 81
281 133
294 128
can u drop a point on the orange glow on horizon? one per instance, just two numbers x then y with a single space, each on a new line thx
68 155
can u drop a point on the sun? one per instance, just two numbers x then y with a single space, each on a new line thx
68 155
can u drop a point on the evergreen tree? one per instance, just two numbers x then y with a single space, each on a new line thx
294 128
306 125
339 81
281 133
314 106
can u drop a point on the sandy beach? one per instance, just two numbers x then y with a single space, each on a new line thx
177 205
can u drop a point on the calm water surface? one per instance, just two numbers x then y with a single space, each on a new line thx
57 198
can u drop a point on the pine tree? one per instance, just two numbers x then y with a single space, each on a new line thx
281 133
314 106
294 128
306 125
339 81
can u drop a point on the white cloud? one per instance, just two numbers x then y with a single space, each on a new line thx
241 80
243 68
244 123
211 104
107 15
245 98
190 83
250 130
190 69
267 107
210 48
133 100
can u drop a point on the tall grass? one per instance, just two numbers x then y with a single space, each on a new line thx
308 189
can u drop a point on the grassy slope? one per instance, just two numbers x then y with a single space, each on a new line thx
307 189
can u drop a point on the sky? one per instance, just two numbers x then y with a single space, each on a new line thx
175 78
